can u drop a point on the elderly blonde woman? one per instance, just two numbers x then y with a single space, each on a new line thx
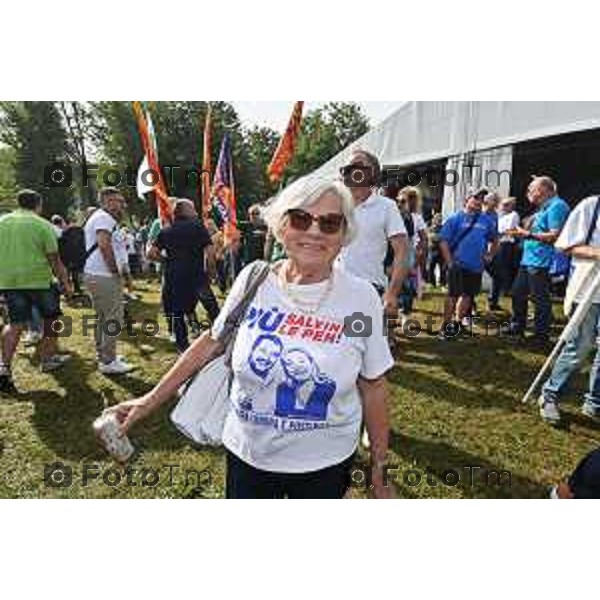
309 361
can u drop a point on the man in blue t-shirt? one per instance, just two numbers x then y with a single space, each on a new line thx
469 240
533 278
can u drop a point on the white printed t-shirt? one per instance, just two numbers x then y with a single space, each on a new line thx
295 402
100 221
378 220
575 233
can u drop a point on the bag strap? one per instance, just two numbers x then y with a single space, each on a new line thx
594 223
461 238
258 274
93 248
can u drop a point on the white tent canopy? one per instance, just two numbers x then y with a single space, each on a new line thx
421 132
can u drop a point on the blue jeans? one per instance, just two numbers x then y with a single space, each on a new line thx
534 282
571 358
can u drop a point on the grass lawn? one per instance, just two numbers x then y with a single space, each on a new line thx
455 407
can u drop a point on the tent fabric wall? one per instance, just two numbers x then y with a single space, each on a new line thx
491 169
420 132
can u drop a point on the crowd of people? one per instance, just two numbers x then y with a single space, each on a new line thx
303 384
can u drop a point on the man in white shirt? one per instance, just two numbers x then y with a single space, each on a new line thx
106 256
580 239
379 223
505 265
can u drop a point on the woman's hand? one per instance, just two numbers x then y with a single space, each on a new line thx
130 412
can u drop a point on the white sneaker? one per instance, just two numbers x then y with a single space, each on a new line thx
31 338
549 411
116 367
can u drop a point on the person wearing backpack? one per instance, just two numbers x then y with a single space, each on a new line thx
469 240
580 239
103 280
71 248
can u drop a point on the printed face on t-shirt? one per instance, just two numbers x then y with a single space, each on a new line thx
265 354
298 365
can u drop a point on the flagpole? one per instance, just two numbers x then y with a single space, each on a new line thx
573 324
205 183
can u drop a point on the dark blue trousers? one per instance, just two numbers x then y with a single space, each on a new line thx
532 283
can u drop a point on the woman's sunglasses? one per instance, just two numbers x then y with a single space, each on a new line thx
300 220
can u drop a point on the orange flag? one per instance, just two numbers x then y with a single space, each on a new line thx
206 164
165 211
287 146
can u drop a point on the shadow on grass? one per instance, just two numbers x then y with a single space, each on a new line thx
64 422
580 420
158 343
488 366
440 457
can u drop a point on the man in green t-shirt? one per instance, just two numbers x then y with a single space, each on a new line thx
29 251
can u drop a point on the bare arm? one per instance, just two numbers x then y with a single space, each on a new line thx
549 237
197 356
445 252
60 272
422 241
584 252
211 261
104 239
153 252
399 245
374 396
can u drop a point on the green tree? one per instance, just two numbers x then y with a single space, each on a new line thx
35 132
79 122
326 131
8 181
260 144
179 130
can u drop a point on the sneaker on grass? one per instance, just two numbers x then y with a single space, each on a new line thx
116 367
591 411
549 411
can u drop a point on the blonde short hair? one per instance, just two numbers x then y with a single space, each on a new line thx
407 194
306 192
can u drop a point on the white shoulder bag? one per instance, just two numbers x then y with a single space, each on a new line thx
584 271
204 401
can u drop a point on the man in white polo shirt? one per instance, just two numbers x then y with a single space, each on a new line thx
103 278
379 223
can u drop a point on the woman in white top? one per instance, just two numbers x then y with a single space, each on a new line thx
309 361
